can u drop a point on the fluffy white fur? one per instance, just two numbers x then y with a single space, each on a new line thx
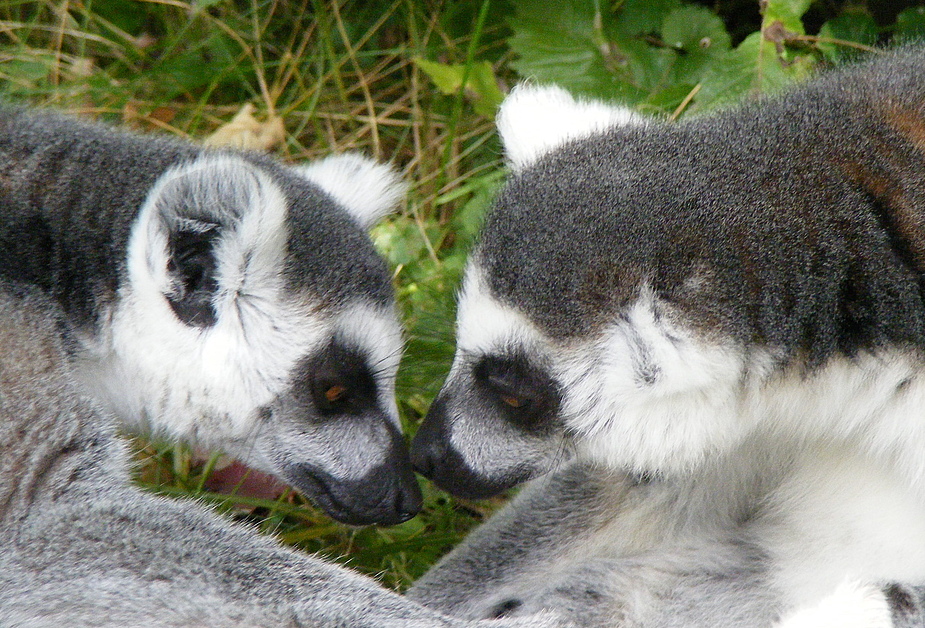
535 119
648 393
368 190
485 326
852 605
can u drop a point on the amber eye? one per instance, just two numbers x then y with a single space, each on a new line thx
335 393
514 402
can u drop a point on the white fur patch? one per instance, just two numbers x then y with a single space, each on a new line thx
203 385
367 189
650 394
485 327
378 334
852 605
838 514
535 119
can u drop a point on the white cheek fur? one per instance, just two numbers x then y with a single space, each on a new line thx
649 395
704 397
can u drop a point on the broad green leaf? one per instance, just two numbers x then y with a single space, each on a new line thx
666 100
641 17
481 83
837 34
788 12
699 36
447 78
564 42
695 30
910 25
753 69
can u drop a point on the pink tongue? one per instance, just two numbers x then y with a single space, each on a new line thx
239 479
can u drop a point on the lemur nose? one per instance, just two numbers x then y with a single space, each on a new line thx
408 503
429 447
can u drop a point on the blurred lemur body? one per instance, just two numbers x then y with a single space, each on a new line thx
215 297
81 546
723 322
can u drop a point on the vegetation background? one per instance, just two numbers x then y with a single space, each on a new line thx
415 83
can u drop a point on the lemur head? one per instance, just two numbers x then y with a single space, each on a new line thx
255 317
581 326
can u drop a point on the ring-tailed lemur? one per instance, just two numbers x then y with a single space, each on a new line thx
81 546
732 307
220 298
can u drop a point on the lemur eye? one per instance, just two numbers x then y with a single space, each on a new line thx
335 393
526 394
337 382
514 402
509 388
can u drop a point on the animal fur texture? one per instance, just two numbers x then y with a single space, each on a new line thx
723 322
210 296
81 546
220 298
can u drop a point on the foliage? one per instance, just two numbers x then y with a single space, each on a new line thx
415 83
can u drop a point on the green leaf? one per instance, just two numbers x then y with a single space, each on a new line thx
855 27
699 36
642 17
482 88
788 12
666 100
695 30
753 69
564 42
910 25
447 78
481 83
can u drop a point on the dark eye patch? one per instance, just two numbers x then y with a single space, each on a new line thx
525 394
337 380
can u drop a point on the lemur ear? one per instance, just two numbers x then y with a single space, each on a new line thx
535 119
203 233
367 189
191 268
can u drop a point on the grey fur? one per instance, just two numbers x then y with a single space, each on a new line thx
907 604
81 546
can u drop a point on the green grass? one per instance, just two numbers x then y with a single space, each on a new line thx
384 77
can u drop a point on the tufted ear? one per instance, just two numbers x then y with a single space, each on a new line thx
208 228
367 189
535 119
